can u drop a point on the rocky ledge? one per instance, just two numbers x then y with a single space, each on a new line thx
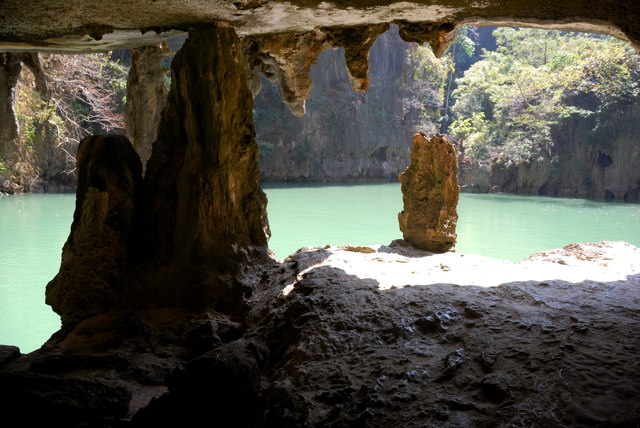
361 336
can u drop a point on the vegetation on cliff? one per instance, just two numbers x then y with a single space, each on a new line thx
533 111
508 102
70 97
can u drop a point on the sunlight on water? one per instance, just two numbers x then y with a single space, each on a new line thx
33 229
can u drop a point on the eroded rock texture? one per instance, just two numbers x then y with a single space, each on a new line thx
287 58
95 258
342 137
146 96
333 339
204 208
430 194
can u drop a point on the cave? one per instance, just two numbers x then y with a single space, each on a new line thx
174 313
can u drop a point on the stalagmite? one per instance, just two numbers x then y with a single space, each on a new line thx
95 257
204 209
430 194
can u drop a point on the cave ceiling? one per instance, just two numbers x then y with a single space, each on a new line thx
84 26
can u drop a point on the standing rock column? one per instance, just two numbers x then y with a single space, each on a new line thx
95 256
146 97
430 194
204 206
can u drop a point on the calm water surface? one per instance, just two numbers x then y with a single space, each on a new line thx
33 229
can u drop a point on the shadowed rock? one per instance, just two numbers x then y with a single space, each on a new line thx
10 67
95 257
430 194
204 209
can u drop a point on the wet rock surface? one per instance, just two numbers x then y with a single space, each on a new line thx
430 194
331 341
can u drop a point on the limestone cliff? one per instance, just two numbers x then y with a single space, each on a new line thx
345 135
593 158
205 334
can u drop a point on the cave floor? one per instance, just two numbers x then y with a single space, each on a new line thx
393 336
363 336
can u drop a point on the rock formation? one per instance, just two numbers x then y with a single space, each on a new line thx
204 208
430 194
203 328
344 135
95 257
201 214
146 96
10 67
592 158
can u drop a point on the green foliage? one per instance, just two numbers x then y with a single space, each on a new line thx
39 119
507 104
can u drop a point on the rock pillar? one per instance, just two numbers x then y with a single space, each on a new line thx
146 97
182 237
204 206
430 194
95 256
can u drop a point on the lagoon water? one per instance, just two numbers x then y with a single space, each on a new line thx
33 229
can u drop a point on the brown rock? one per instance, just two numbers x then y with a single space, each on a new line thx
287 58
95 257
146 96
439 36
10 68
204 206
430 194
357 42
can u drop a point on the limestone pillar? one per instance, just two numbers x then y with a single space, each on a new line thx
95 257
204 209
430 194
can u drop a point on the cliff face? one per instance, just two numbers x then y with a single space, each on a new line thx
344 135
594 158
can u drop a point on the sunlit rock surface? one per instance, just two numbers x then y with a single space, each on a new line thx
430 194
64 25
146 97
373 336
207 334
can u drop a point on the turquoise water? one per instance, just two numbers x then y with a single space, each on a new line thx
502 226
33 229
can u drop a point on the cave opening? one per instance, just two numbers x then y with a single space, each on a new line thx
530 114
335 110
193 327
